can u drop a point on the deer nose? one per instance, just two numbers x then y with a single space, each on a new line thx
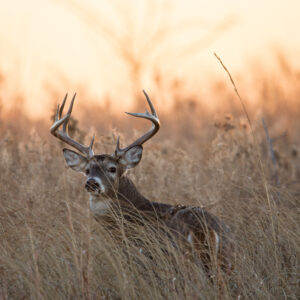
92 185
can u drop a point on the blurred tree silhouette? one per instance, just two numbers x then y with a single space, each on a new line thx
139 44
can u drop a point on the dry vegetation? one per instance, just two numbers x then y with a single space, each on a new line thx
52 248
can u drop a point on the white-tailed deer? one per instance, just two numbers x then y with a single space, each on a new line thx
109 187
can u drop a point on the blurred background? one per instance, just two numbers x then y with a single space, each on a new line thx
115 48
108 51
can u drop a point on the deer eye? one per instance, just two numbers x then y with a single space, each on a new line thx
112 170
87 172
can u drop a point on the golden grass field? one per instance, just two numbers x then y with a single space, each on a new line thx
52 248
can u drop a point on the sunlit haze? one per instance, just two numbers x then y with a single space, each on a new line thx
51 46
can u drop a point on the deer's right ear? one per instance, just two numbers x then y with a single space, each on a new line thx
74 160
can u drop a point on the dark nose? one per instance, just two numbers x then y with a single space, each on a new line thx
92 185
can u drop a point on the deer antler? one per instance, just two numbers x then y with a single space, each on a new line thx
63 134
155 127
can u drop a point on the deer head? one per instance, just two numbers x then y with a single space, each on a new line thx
103 172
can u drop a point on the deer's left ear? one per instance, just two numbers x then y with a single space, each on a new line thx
131 157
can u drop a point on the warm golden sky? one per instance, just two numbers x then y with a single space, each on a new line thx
51 43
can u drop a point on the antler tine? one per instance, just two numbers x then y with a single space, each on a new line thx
91 152
69 111
63 134
154 128
150 104
57 113
62 105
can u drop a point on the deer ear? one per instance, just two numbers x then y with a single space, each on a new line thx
74 160
132 157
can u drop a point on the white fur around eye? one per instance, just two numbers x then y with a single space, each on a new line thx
112 169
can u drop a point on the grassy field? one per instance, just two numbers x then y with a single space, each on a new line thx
52 248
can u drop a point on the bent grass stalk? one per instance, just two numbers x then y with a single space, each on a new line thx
256 147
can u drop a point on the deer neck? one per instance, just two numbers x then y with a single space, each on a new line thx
128 194
128 198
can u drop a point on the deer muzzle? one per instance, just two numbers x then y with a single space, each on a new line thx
92 185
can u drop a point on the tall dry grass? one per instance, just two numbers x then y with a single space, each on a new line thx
52 248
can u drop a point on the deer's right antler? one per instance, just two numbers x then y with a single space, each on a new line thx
155 127
63 134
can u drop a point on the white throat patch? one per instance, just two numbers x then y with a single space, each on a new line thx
99 206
